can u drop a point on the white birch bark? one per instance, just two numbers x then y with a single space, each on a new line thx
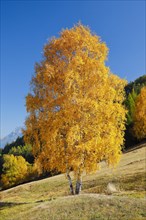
70 184
78 185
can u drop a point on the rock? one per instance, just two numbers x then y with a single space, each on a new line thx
111 188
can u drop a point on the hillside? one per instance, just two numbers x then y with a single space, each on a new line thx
50 198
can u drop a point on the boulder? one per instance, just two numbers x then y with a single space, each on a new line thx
111 188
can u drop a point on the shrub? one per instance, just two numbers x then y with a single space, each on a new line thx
14 170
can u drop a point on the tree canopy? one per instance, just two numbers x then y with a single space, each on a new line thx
136 85
76 117
140 115
14 170
130 104
132 90
19 142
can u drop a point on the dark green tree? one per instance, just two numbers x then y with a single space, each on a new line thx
130 104
132 90
24 151
19 142
136 85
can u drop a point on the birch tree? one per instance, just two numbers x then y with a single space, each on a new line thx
76 117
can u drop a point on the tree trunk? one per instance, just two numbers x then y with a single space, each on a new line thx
78 185
70 184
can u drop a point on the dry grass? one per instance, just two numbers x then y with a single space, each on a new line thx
49 198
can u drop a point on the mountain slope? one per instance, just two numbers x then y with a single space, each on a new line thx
11 137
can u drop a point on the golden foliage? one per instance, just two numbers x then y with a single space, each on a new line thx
76 117
14 170
140 115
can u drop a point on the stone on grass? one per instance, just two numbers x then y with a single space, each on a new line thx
111 188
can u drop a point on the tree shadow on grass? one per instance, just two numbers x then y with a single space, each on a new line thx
10 204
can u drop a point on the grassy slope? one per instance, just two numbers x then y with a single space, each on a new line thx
49 198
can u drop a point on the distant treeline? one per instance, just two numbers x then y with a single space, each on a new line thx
132 91
136 85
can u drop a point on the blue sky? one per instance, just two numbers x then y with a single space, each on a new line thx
26 26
